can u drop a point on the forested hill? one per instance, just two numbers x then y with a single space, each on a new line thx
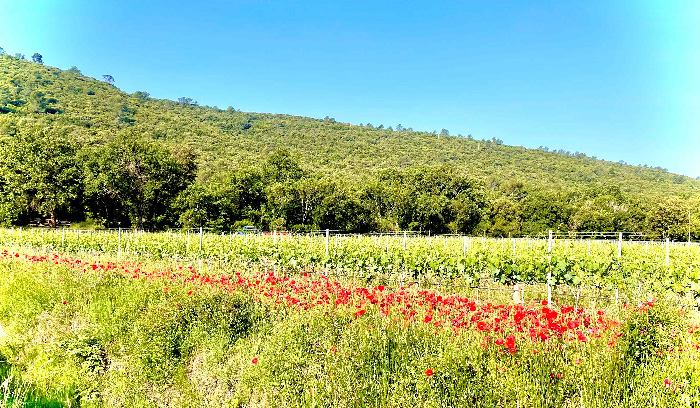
92 114
91 110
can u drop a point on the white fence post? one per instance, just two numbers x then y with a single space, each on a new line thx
619 247
549 270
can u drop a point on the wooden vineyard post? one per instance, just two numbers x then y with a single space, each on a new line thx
188 242
119 244
63 238
404 241
667 251
549 270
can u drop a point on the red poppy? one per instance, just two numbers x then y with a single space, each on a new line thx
428 373
255 360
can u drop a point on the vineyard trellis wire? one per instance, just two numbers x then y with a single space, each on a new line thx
410 257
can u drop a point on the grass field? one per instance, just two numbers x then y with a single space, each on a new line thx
96 332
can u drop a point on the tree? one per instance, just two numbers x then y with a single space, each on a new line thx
187 101
74 70
2 51
109 79
134 181
36 57
669 218
19 55
39 172
143 96
282 166
444 132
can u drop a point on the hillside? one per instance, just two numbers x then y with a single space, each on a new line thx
92 110
94 113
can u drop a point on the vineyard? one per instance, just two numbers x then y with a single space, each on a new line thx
191 319
632 269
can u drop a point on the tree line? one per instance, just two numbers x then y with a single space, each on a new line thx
136 182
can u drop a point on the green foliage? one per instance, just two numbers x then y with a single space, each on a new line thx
134 181
289 172
39 172
653 333
123 342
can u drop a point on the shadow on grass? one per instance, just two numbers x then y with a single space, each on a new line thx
16 393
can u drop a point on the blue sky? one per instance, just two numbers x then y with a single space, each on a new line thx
619 80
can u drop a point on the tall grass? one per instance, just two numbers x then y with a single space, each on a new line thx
124 336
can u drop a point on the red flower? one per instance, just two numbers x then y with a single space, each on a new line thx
428 373
255 360
189 293
64 302
544 303
500 342
667 383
